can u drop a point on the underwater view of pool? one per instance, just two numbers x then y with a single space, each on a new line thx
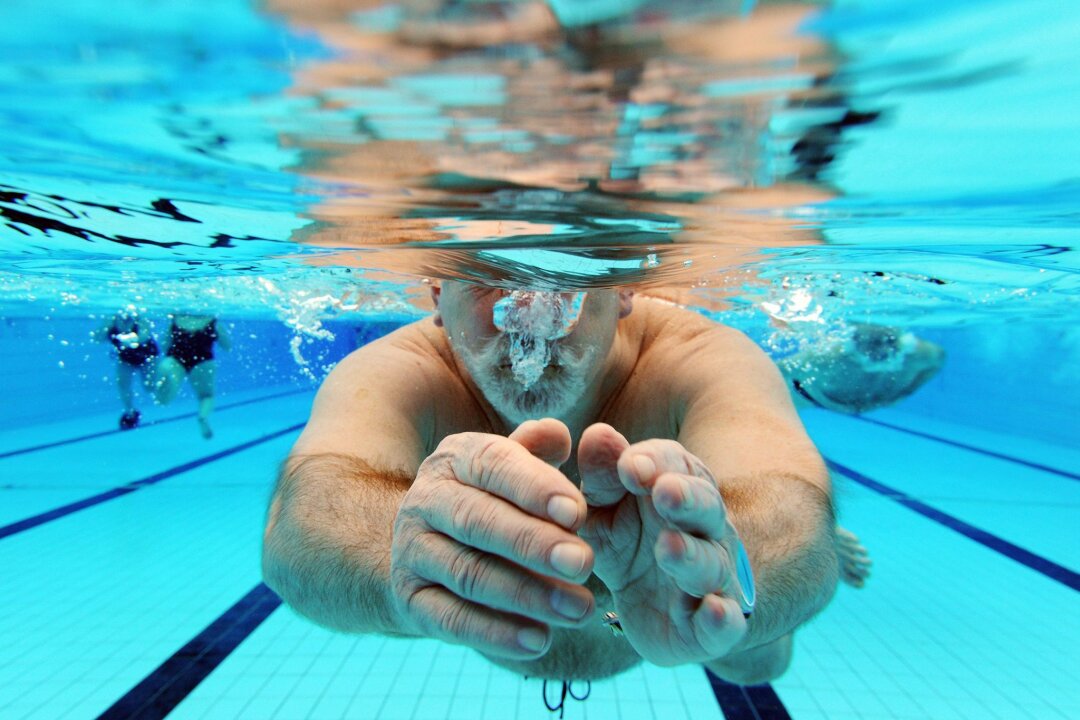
882 195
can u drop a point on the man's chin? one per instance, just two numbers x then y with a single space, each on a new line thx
538 401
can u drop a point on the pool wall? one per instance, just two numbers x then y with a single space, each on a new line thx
1020 379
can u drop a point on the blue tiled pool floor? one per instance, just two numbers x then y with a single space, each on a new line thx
151 600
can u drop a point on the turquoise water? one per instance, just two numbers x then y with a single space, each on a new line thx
299 172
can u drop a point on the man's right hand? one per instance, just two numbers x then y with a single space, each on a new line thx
484 550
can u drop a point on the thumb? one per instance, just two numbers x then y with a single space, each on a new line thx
547 439
598 454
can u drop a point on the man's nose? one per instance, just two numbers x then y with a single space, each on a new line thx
542 314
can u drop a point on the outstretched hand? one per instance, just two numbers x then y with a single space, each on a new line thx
484 551
664 546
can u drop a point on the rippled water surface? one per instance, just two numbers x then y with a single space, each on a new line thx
901 162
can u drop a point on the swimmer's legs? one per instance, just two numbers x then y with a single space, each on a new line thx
202 382
170 375
129 420
124 373
854 559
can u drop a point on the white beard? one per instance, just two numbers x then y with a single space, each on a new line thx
554 394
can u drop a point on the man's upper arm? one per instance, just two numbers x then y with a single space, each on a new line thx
737 412
375 405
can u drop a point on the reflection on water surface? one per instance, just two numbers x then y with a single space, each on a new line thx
731 153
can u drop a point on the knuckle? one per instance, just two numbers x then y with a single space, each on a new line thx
489 460
475 520
468 572
450 619
527 545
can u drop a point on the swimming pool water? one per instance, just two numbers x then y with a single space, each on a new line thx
295 173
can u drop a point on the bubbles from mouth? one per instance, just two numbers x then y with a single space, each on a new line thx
533 321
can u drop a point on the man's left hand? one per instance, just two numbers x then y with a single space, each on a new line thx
664 546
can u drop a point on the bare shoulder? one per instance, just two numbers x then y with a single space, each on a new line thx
674 332
379 402
721 391
681 359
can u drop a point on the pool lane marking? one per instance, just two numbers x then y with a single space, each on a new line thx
1049 568
172 681
747 702
162 421
65 510
158 694
973 448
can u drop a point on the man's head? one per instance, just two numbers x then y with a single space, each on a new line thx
532 354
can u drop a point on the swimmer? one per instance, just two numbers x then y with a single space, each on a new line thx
622 464
875 367
190 354
136 354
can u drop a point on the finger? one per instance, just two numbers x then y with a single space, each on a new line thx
489 523
697 566
718 624
598 455
442 615
643 462
493 582
715 622
690 503
856 581
504 468
547 439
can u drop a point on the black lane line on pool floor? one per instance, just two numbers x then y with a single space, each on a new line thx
1049 568
56 513
747 702
175 679
973 448
162 421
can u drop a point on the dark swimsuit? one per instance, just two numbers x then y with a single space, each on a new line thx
133 356
192 348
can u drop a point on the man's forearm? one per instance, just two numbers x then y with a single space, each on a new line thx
326 549
787 525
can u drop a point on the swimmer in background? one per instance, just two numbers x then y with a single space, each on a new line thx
136 354
190 354
874 367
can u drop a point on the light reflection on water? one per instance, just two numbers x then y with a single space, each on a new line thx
731 157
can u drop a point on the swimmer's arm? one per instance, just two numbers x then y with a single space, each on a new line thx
326 548
224 339
738 418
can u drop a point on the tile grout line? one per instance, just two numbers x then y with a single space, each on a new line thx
1042 565
65 510
973 448
156 695
162 421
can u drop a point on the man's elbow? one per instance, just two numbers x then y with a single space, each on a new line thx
275 568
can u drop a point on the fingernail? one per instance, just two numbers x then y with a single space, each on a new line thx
563 510
569 605
532 639
568 558
645 467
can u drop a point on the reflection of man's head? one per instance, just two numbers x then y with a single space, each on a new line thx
532 353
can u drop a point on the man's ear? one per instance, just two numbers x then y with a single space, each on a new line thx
626 303
436 293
